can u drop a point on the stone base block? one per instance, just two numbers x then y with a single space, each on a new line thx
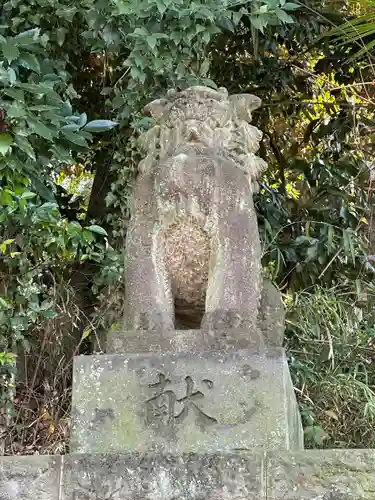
178 403
308 475
321 475
119 341
30 478
158 477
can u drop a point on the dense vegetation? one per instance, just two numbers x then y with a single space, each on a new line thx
73 80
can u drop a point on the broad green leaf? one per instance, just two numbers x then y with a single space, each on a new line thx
10 50
41 89
75 138
71 126
6 197
28 195
4 304
43 107
46 304
19 322
74 119
40 129
60 35
86 333
283 16
137 74
31 62
291 6
16 110
118 101
27 37
25 146
41 188
205 66
259 22
98 230
16 94
100 125
49 314
4 245
312 253
82 120
61 154
226 24
12 77
272 4
6 141
66 108
237 16
67 13
152 40
161 6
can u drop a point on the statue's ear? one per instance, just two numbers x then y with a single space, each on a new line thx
156 108
244 104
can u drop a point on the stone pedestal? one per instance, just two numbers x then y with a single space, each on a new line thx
307 475
164 477
178 403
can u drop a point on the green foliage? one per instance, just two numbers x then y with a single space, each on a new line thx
40 136
331 348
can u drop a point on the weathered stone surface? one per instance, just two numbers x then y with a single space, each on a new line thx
271 315
321 475
187 477
192 243
30 478
175 403
120 341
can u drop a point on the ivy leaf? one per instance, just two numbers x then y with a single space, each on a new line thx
152 40
10 51
67 13
283 16
27 37
60 35
98 230
31 62
100 126
6 140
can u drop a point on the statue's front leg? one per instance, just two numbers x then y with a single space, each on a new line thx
148 298
234 282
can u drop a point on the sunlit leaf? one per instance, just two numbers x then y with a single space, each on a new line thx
100 125
6 141
98 230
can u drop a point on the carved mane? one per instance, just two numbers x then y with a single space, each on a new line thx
208 118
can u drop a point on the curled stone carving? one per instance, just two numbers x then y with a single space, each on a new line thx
193 247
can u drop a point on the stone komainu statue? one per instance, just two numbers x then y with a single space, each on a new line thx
193 251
